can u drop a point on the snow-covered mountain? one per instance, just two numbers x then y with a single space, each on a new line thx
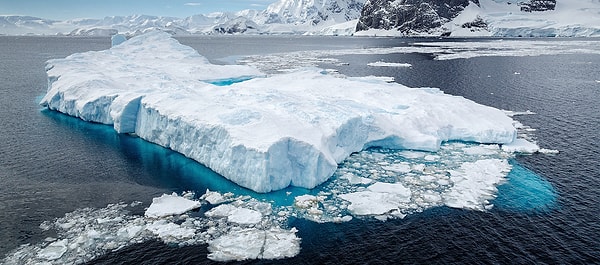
313 12
527 18
282 17
410 17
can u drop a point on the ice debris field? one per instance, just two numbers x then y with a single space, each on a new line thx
366 149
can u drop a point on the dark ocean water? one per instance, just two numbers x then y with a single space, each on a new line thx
51 164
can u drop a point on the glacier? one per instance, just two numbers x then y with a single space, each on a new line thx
265 133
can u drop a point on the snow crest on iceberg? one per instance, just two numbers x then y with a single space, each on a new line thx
265 133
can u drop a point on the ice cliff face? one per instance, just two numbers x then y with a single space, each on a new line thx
265 133
410 17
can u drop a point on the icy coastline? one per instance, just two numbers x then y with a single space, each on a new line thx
265 133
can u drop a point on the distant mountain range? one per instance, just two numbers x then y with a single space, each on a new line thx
283 17
527 18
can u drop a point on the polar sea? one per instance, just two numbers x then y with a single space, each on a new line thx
547 210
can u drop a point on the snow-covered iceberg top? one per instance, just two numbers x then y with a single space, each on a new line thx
265 133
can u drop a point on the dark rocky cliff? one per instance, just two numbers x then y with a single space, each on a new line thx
538 5
426 17
409 16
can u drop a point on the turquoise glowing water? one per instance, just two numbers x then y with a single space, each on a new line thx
525 191
229 81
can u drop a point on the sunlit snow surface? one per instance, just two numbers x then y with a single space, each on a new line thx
375 183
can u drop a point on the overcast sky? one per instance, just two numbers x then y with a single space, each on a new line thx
68 9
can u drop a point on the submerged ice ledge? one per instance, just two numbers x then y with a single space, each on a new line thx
265 133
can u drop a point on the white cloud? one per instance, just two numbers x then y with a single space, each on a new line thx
192 4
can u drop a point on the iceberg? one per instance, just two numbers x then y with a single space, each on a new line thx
167 205
263 132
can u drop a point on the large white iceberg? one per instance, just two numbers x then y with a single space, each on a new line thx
265 133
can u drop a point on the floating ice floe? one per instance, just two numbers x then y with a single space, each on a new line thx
385 64
229 230
521 146
378 199
376 183
283 62
244 244
173 204
266 133
235 214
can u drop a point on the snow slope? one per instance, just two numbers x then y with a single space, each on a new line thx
265 133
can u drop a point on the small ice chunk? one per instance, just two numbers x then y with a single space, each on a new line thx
213 197
480 150
521 146
384 64
370 203
412 154
170 232
431 157
399 168
173 204
343 219
244 244
129 232
54 250
371 78
418 167
235 214
305 201
244 216
380 198
394 188
354 180
475 183
548 151
432 197
511 113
